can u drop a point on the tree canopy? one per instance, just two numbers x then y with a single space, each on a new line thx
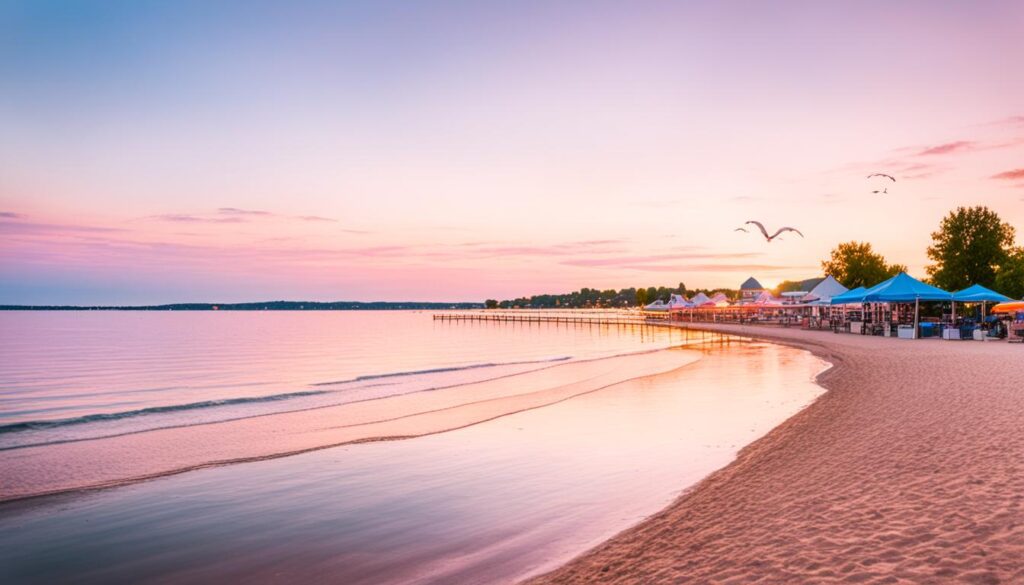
856 264
968 248
592 297
787 286
1010 278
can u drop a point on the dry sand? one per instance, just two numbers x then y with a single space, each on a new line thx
910 469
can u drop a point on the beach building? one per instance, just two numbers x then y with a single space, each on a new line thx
750 289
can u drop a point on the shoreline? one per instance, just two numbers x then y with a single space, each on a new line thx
909 468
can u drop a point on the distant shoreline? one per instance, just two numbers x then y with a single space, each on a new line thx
264 306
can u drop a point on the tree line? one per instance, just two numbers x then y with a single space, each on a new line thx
586 298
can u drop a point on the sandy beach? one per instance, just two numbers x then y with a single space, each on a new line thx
910 469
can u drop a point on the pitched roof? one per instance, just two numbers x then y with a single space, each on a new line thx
751 284
809 284
826 289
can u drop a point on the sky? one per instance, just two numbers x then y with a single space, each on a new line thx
156 152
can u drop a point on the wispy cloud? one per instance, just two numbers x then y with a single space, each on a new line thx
1014 175
32 228
949 147
188 218
236 215
11 215
242 212
1012 121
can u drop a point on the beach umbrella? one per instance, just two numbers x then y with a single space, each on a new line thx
1010 307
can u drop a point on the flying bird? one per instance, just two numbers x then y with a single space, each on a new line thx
739 229
890 177
768 238
886 190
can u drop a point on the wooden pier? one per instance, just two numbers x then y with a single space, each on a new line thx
535 318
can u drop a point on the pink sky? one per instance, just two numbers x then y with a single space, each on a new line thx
460 153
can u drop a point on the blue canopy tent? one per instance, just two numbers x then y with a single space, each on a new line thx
851 296
977 294
904 288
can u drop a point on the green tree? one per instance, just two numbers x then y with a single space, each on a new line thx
491 304
1010 278
641 296
787 286
856 264
971 244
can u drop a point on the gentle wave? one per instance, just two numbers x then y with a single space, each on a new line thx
63 422
103 417
441 370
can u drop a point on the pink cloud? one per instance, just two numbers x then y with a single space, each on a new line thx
949 147
244 212
1013 175
186 218
44 229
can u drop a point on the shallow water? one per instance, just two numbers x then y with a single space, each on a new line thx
493 501
70 375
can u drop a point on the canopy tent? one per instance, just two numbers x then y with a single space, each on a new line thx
719 297
901 288
700 299
851 296
979 294
765 299
679 302
658 305
825 290
904 288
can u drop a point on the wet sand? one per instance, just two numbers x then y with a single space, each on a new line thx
910 469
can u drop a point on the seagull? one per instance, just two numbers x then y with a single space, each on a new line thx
886 190
739 229
890 177
773 236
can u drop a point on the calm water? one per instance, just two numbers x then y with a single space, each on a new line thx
523 445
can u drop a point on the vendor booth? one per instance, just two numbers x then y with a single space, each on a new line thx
977 329
884 308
